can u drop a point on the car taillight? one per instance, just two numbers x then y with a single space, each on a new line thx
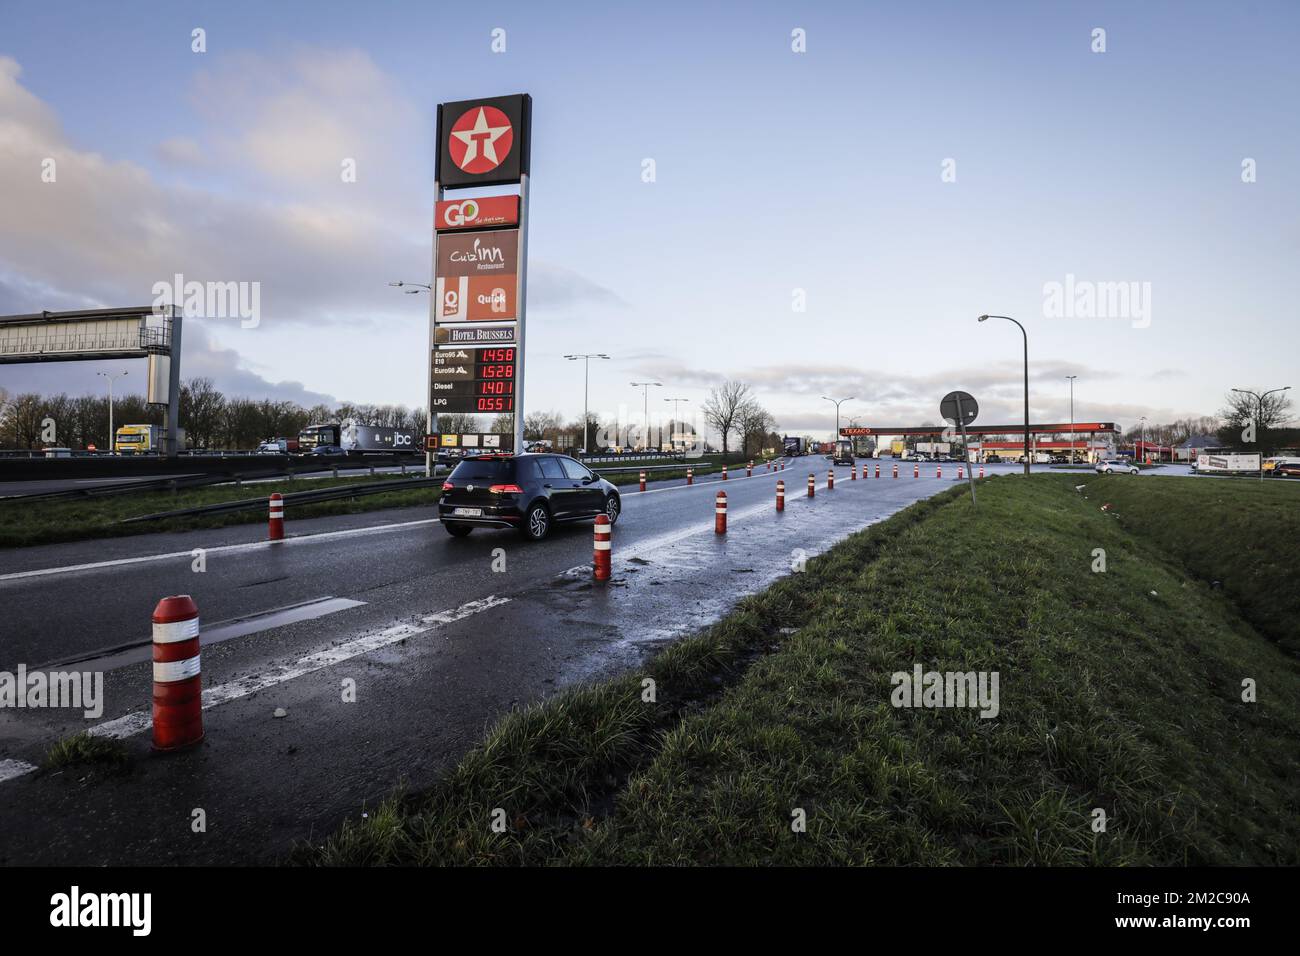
447 486
506 490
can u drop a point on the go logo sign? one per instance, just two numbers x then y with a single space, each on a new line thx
460 213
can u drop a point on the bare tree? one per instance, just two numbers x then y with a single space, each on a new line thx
722 409
1252 420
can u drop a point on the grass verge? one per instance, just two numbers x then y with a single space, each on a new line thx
48 522
1119 691
1237 536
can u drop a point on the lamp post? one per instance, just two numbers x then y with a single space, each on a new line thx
1259 421
676 418
586 370
415 287
1071 378
112 444
646 387
836 403
1026 338
430 416
1144 436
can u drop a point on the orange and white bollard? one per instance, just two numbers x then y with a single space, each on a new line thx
916 470
720 513
690 476
830 479
603 548
749 470
780 495
938 471
877 469
853 472
981 471
275 525
812 487
177 687
960 473
643 481
724 472
895 469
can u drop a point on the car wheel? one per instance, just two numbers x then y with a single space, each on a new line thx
613 507
537 522
456 529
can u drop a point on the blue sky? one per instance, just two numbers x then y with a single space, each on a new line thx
775 171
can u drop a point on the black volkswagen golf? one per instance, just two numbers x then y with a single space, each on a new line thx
531 493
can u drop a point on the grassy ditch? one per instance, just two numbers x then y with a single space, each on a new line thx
1119 691
1240 537
47 522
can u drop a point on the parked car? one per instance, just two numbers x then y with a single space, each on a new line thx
530 493
993 459
1115 466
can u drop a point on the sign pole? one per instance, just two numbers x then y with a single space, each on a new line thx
965 453
522 311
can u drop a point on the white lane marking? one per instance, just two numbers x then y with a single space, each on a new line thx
222 549
10 769
131 724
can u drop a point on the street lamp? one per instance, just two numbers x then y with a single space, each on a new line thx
586 369
415 287
1144 436
646 387
837 403
112 445
1026 338
1259 421
676 418
1071 378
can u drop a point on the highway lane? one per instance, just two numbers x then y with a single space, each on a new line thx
427 685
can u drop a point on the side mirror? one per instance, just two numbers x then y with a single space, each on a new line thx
589 479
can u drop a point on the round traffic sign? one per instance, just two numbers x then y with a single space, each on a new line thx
960 408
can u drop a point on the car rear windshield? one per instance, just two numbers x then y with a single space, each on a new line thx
485 469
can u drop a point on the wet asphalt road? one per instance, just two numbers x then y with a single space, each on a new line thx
439 644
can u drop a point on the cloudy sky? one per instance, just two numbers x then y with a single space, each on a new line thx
827 222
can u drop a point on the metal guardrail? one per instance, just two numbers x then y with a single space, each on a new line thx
293 498
651 468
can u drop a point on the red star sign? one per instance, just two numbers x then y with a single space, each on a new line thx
480 139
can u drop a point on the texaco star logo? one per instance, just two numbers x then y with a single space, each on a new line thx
481 139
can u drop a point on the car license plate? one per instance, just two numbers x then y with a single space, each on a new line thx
468 512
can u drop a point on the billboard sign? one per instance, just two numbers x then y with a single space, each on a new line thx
485 213
494 253
473 336
1228 463
484 142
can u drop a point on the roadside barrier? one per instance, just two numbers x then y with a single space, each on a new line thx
643 481
177 688
853 472
830 479
812 487
960 474
780 495
895 469
749 470
916 471
938 471
275 528
877 469
724 472
690 476
720 513
603 548
981 471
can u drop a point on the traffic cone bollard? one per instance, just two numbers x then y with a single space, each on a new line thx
603 547
275 526
916 471
938 471
724 472
981 471
690 476
830 479
177 687
720 513
812 487
853 472
643 481
749 470
895 469
960 474
780 495
877 469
